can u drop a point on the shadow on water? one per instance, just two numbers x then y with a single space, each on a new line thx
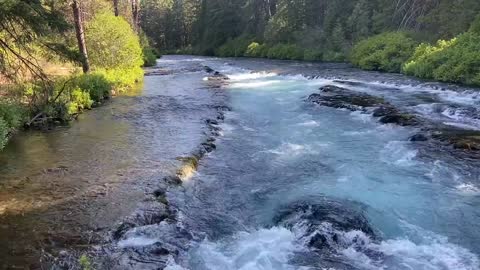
67 187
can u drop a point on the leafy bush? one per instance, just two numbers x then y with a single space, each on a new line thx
234 47
112 43
115 50
257 50
12 114
286 52
312 55
95 84
456 60
79 101
384 52
11 117
122 79
3 133
149 57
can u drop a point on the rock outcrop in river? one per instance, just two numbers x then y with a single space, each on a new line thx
343 98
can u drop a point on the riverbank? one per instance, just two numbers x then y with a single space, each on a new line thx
65 189
455 60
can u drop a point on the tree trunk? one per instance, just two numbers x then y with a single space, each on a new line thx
272 7
80 35
115 7
135 11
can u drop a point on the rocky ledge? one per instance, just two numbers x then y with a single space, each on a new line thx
386 113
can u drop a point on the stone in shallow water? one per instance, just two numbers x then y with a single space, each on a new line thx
337 97
401 119
418 138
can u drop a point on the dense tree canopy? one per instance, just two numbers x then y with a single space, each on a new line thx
329 26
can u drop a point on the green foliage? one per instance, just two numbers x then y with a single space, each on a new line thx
112 43
475 26
456 60
234 47
149 57
384 52
285 52
79 101
3 133
13 114
11 117
257 50
115 51
98 87
122 80
312 55
85 263
149 53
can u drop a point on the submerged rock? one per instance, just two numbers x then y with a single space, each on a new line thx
208 69
418 138
217 76
384 110
460 138
338 97
401 119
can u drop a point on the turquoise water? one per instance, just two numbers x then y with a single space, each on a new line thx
277 149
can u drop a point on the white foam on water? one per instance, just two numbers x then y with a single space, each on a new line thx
468 189
310 123
255 84
357 133
139 241
430 252
251 76
461 125
172 265
290 150
361 116
397 153
263 249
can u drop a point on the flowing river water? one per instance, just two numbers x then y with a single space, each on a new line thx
290 184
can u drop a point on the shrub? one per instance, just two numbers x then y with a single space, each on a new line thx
256 50
122 79
11 117
95 84
115 50
312 55
3 133
384 52
149 57
333 56
79 101
285 52
234 47
456 60
112 43
12 114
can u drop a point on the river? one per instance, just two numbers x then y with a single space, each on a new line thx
290 184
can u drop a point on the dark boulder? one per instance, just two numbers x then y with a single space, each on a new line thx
384 111
208 69
418 138
211 122
401 119
217 76
341 98
339 216
209 146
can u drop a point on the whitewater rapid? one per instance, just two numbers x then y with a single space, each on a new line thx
417 206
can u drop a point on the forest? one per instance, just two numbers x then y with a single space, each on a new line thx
59 58
432 39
